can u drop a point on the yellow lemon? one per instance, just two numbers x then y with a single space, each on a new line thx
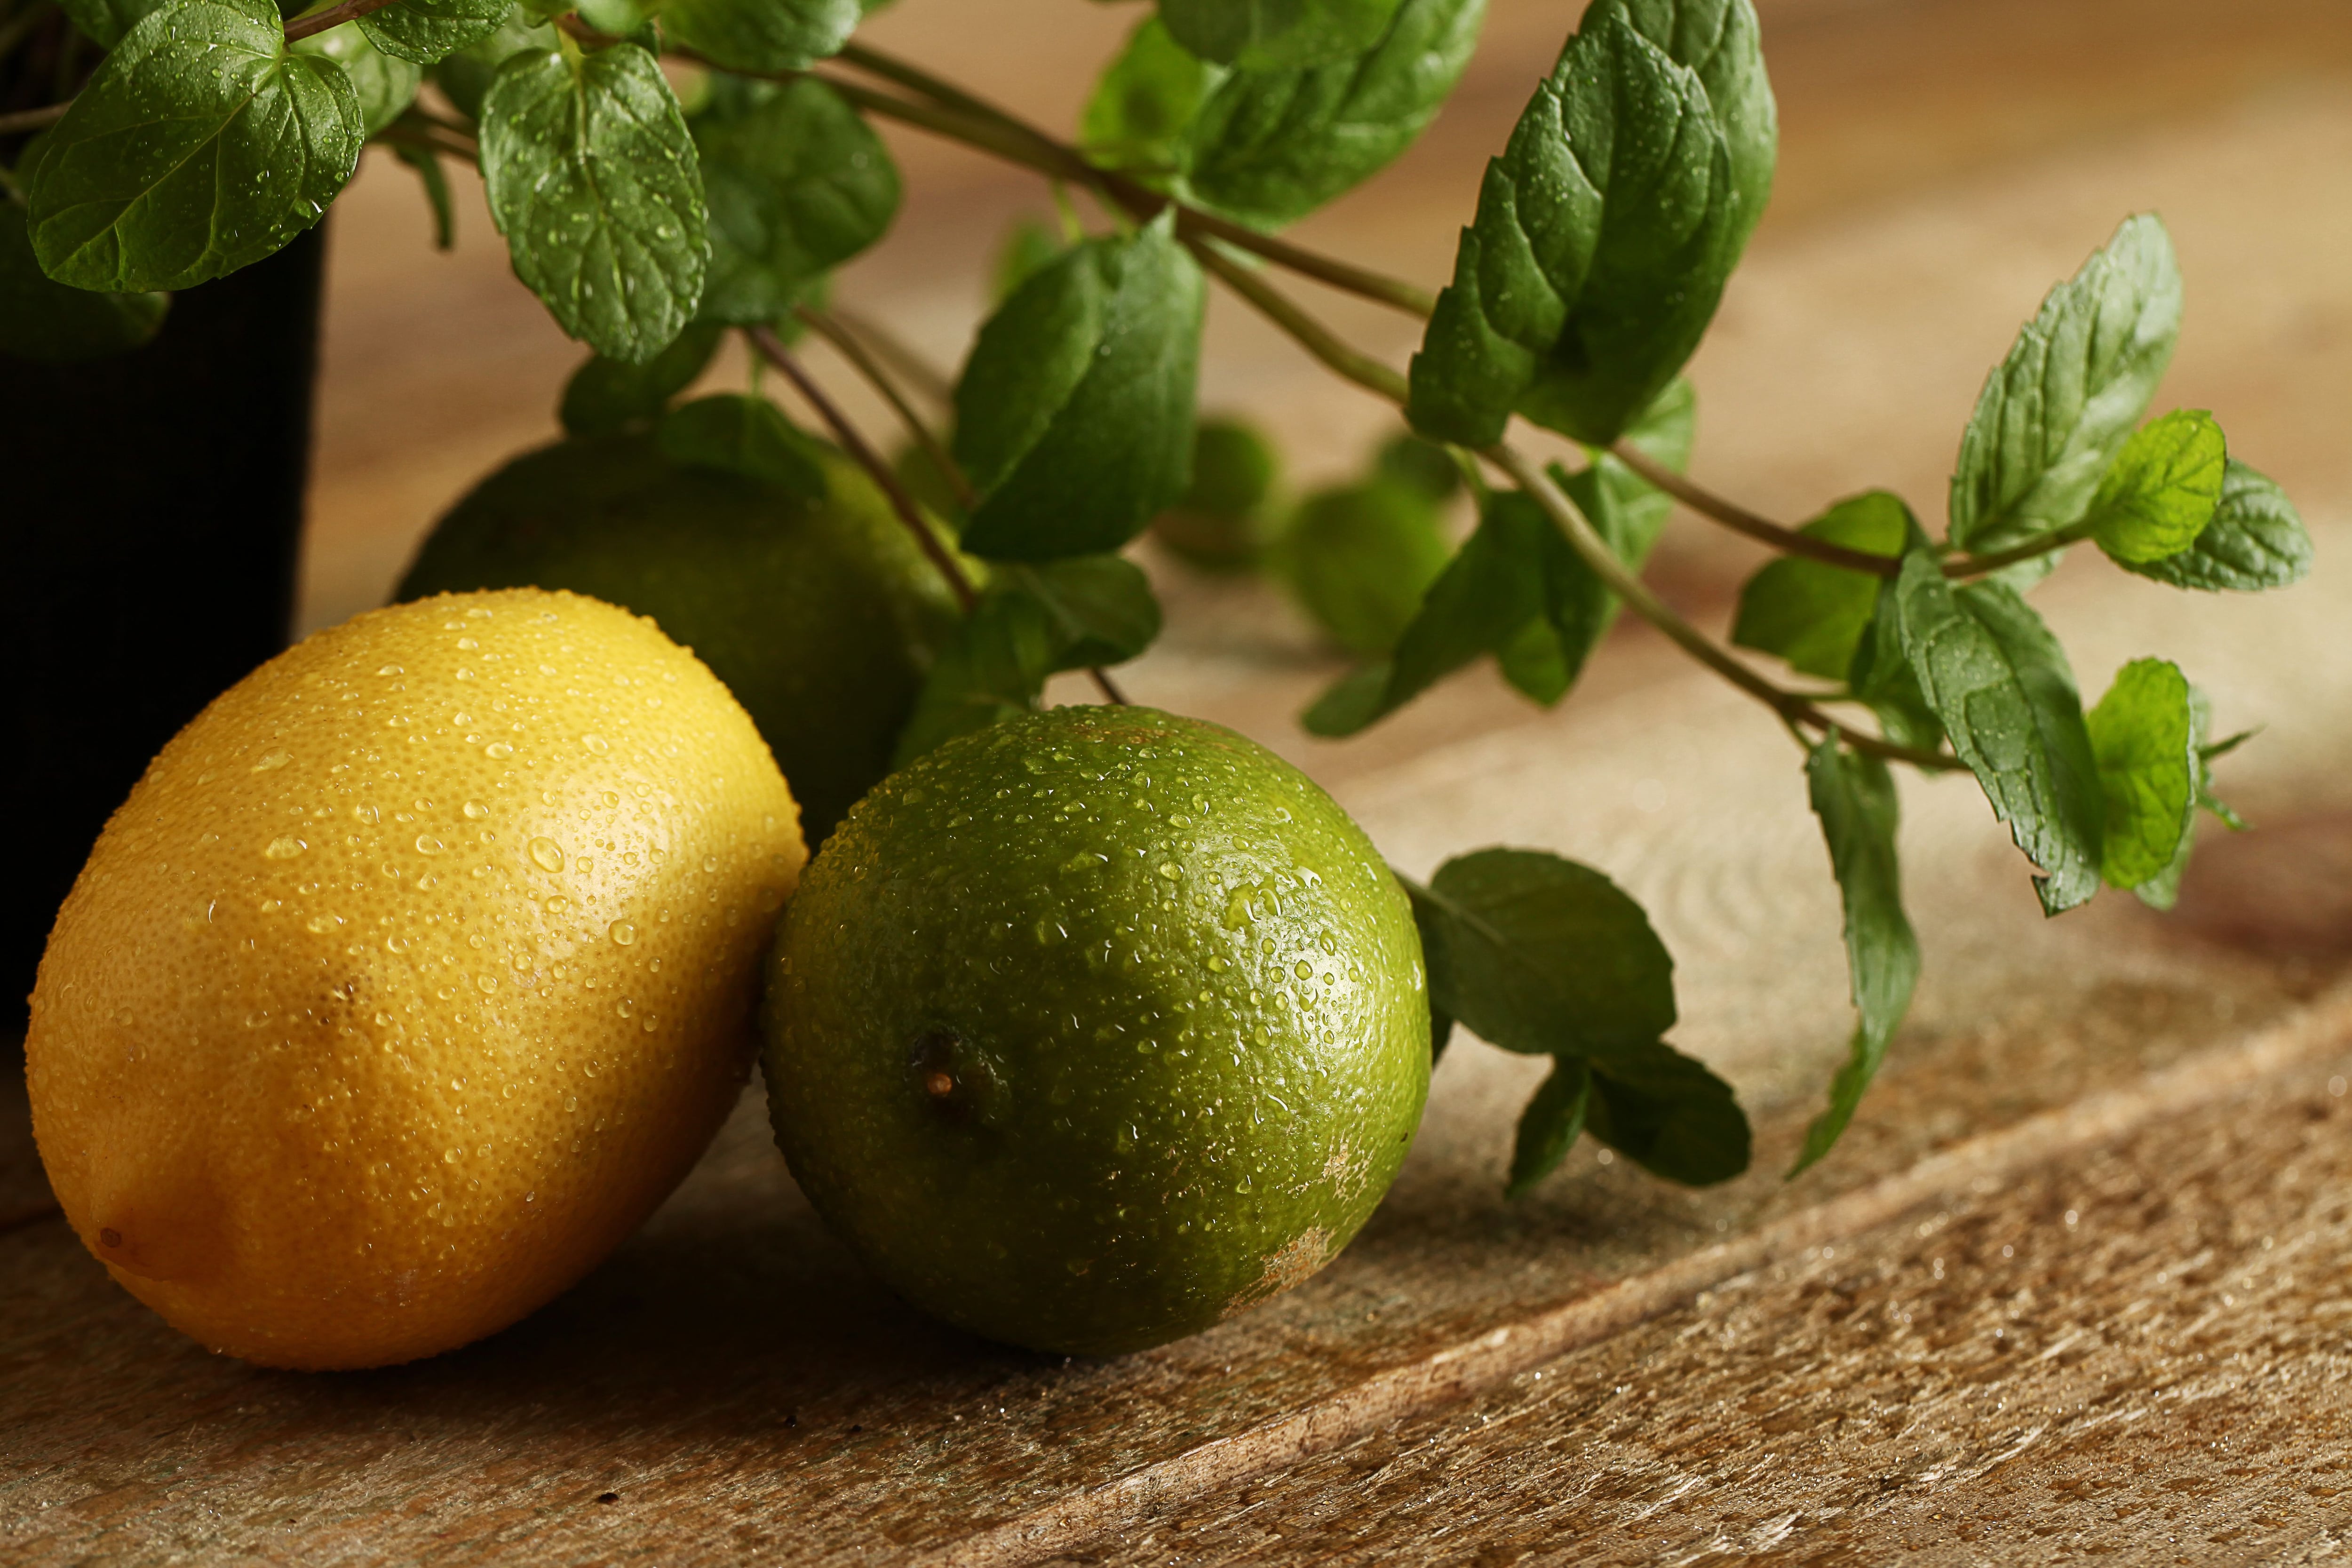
411 977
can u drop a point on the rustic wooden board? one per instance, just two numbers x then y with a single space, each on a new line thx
731 1388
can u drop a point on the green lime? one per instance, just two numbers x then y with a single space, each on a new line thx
1091 1029
820 615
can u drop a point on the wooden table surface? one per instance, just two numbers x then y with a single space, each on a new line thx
2074 1285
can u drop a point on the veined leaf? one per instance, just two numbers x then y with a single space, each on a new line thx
2255 540
1604 233
2000 684
1270 146
592 178
2162 488
202 143
425 31
1550 1125
1517 590
1076 464
1145 101
1275 34
2052 418
2145 735
1853 795
1669 1115
1101 607
466 75
1718 40
797 182
761 34
1812 613
1541 956
47 321
386 84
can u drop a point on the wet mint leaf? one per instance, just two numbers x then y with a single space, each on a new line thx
1550 1125
45 320
1074 415
1999 682
761 34
202 143
386 84
1275 34
2255 540
1270 146
797 183
2145 735
1604 232
592 178
2060 407
2162 488
1854 797
1539 954
426 31
1668 1115
1813 615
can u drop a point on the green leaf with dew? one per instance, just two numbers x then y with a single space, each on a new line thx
1812 613
425 31
202 143
1275 34
2255 540
592 178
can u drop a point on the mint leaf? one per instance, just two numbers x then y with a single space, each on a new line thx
1813 615
1271 145
386 84
1358 558
1719 41
2145 735
1144 102
2060 407
1541 956
1075 464
2162 890
592 176
1854 797
1604 237
2255 540
1669 1115
1275 34
465 76
45 320
797 182
743 435
106 22
425 31
1550 1125
202 144
1028 360
1227 514
2162 488
1027 248
608 394
1101 607
1999 682
761 34
993 668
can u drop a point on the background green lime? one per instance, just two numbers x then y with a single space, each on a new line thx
821 616
1092 1027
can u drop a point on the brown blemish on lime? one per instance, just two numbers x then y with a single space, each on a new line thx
1294 1265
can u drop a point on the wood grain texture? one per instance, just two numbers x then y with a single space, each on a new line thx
740 1392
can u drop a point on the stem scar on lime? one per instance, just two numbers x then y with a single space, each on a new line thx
1091 1029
